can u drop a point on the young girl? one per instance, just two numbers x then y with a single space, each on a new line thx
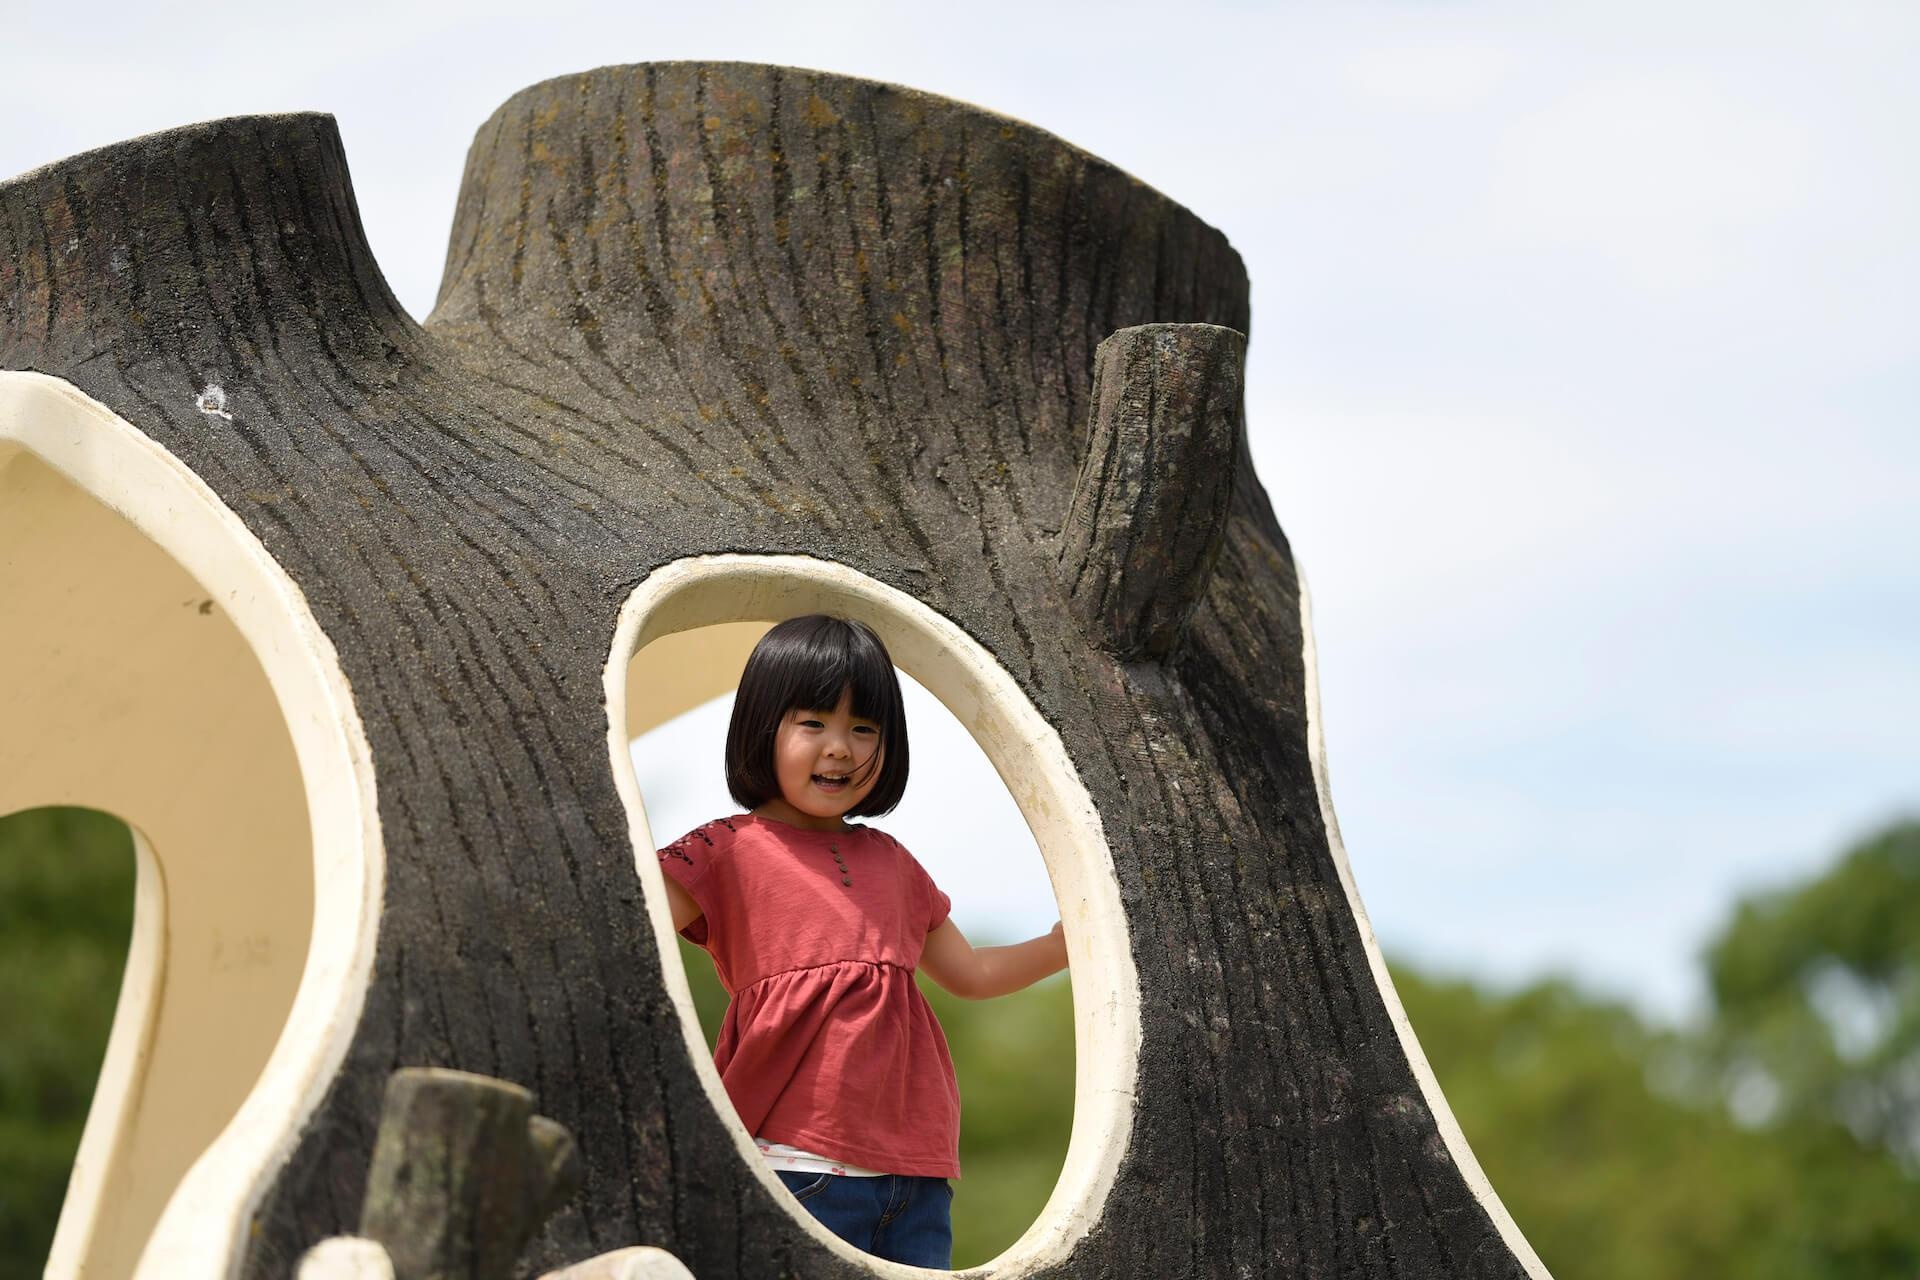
829 1052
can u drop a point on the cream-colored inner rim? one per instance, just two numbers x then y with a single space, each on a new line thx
1429 1084
729 600
157 663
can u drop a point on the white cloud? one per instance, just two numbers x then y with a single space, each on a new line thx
1672 178
1436 73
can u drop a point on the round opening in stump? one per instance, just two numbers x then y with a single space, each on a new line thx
683 639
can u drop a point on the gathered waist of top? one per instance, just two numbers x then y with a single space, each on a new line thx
826 964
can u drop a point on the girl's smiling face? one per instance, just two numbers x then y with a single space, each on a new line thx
825 761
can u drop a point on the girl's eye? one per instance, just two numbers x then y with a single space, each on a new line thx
809 724
866 728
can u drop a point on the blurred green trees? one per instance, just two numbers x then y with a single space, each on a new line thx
66 914
1777 1139
1589 1126
1816 989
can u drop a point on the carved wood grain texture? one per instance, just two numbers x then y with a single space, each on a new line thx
696 308
1149 509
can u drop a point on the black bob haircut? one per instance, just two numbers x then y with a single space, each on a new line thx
806 663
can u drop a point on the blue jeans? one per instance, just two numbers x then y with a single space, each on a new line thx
893 1216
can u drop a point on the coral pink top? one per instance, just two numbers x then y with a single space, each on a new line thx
828 1044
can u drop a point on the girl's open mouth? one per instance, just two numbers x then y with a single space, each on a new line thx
830 782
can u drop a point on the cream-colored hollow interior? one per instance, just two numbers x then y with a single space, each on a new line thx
678 671
683 637
126 687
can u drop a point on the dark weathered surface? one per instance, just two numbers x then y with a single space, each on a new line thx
1150 506
463 1173
695 308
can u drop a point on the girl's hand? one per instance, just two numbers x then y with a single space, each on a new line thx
982 973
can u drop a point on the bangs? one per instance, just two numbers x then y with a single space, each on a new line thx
805 664
831 668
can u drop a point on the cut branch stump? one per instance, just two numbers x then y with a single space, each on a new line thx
1150 507
463 1174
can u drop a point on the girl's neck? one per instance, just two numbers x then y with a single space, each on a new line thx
778 810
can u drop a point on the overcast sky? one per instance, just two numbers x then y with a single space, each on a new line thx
1584 371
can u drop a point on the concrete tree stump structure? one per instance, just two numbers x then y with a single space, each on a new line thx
716 344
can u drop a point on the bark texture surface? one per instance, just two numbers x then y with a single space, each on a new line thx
700 308
463 1173
1147 516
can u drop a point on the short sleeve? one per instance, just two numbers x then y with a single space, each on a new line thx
689 862
939 906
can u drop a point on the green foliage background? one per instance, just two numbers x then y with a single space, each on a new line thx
66 913
1779 1138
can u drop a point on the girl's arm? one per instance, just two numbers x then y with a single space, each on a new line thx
680 902
984 972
